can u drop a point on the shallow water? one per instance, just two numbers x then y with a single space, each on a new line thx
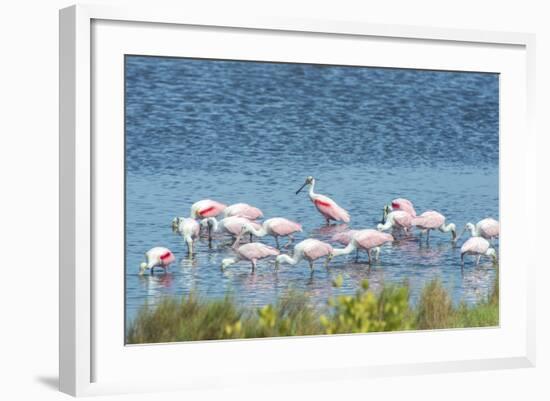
251 132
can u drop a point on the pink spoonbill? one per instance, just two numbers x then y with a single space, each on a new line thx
398 219
251 252
309 249
206 208
432 220
232 225
157 257
368 240
243 210
402 204
326 206
189 229
276 227
479 247
344 238
487 228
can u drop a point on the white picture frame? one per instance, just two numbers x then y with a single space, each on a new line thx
82 343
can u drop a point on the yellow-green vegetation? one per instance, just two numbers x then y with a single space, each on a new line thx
192 318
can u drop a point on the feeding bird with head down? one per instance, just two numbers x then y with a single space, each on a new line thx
432 220
232 225
243 210
252 252
396 219
328 208
206 208
402 204
276 227
368 240
309 249
479 247
157 257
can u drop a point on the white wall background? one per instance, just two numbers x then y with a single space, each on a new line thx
29 211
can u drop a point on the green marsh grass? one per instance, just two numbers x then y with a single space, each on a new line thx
193 318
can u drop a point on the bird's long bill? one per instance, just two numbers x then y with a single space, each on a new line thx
238 239
460 235
385 214
302 187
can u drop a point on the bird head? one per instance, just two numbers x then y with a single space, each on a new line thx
309 181
452 226
226 262
175 224
386 211
142 268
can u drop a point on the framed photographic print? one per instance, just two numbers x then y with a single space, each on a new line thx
343 199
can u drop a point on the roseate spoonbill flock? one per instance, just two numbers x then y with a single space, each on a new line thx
240 219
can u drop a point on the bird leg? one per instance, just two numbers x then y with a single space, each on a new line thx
311 264
290 239
328 222
478 258
253 265
370 257
428 237
357 255
277 241
251 238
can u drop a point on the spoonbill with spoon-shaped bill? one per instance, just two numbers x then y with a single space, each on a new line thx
326 206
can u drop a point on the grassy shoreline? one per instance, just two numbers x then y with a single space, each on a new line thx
191 318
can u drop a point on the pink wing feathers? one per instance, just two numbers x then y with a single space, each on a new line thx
166 258
402 219
344 237
404 205
281 226
477 245
256 250
328 208
243 210
489 228
234 224
206 208
429 220
369 239
315 249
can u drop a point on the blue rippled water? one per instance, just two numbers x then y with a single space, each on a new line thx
252 131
